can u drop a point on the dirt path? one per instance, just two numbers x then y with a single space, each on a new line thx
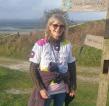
85 74
15 64
18 91
24 66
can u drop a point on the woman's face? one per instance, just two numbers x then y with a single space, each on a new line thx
56 29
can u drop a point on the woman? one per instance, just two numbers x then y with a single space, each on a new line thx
52 65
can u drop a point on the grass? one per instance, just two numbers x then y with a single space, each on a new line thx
14 79
86 93
15 46
88 57
13 100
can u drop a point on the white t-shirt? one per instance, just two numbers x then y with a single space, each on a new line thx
43 55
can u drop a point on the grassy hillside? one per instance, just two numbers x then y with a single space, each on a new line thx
19 46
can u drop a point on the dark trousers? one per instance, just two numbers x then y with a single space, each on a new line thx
58 99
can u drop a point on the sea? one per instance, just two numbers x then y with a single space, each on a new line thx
28 25
19 26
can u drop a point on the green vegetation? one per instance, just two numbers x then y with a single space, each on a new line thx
10 79
15 46
14 78
13 100
86 94
20 80
88 57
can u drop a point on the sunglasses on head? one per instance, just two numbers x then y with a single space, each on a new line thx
56 26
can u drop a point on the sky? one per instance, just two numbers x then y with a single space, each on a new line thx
33 9
26 9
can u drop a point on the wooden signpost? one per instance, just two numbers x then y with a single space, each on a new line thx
102 43
84 5
97 42
94 41
104 76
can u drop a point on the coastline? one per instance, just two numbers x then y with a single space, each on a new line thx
20 31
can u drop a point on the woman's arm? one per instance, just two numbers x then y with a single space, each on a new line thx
34 70
72 76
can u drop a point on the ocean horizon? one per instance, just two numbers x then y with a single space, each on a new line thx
28 25
19 25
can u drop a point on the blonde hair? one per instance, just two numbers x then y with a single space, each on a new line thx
52 19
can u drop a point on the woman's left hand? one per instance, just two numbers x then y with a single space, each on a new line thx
72 93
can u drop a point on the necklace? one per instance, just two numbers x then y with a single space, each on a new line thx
56 46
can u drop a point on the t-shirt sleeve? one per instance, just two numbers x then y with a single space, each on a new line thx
71 57
35 55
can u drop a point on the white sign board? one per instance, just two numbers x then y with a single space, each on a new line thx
94 41
85 5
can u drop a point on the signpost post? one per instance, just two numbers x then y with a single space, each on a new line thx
99 43
104 76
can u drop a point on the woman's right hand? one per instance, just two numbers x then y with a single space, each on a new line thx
43 94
